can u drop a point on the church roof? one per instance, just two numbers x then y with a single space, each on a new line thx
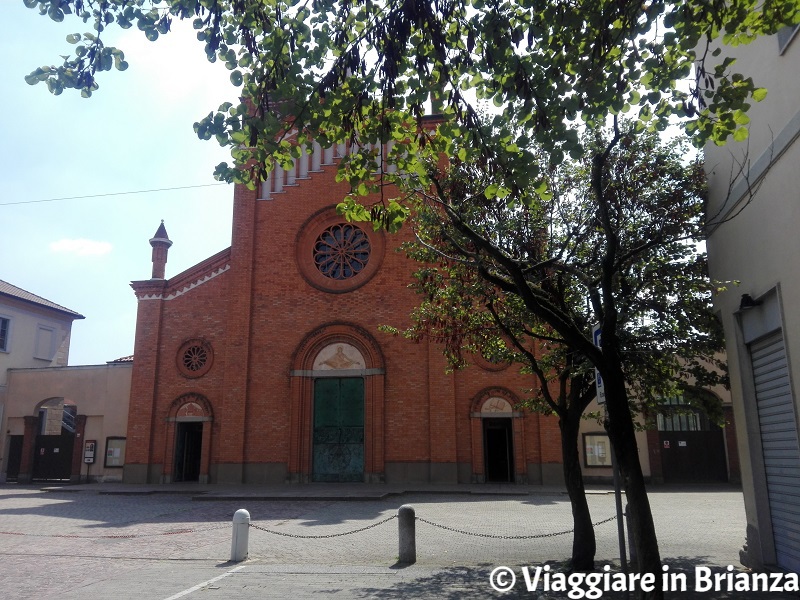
6 289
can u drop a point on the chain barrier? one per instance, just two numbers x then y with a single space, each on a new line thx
319 537
510 537
294 535
115 536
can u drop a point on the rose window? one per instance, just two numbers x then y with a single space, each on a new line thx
341 251
195 358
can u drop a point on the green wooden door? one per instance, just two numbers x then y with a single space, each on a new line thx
338 429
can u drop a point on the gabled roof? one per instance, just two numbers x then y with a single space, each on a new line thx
12 291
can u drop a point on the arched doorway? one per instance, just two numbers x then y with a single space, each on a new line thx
337 407
188 440
497 439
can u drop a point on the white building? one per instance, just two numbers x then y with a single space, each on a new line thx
34 332
754 250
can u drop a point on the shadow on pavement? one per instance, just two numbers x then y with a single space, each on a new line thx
453 583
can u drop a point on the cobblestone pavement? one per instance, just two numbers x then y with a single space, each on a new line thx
82 542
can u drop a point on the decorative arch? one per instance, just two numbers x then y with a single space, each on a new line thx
190 411
337 349
487 394
496 403
188 405
333 333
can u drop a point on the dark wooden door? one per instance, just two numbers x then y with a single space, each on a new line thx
498 446
338 453
52 459
14 456
188 448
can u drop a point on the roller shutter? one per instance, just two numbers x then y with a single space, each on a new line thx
778 425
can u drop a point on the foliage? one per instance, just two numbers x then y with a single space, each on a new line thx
669 338
362 70
613 242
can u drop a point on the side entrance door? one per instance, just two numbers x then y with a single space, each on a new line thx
14 456
338 453
188 448
498 445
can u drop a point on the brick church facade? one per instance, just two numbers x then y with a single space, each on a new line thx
264 362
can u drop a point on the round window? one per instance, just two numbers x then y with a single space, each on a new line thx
195 358
490 363
335 256
341 251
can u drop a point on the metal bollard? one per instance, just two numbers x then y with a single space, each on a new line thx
406 523
631 543
241 535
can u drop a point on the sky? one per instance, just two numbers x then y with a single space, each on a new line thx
135 133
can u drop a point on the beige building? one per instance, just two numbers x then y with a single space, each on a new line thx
49 412
754 250
66 423
679 445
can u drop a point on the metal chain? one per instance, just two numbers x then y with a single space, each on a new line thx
509 537
293 535
329 535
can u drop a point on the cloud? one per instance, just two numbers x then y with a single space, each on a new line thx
81 247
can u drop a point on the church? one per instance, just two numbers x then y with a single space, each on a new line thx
265 364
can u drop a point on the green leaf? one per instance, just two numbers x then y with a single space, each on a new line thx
741 134
236 78
759 94
55 13
740 118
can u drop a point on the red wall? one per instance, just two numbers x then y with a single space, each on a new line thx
259 312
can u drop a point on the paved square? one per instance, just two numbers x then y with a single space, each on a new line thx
83 542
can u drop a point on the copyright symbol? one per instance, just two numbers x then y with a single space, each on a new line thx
502 579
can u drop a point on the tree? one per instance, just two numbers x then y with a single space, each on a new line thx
360 71
484 262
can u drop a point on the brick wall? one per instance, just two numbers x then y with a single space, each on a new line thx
262 313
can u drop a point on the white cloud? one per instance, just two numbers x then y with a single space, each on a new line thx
81 247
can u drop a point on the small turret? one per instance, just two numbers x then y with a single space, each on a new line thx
160 243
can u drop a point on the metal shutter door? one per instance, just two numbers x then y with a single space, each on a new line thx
779 441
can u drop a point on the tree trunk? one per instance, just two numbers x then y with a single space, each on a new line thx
621 432
583 540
